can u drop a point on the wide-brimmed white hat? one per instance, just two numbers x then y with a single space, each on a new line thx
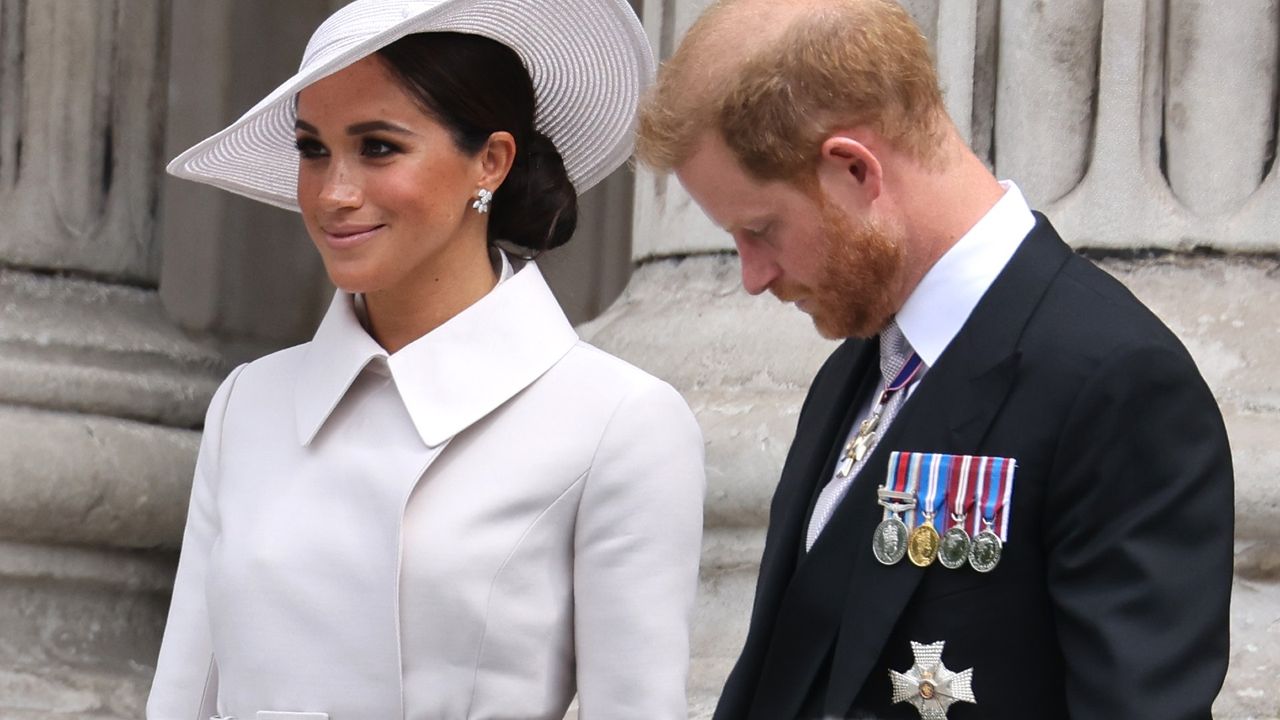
589 60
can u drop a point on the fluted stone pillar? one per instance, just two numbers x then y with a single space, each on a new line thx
99 393
1120 119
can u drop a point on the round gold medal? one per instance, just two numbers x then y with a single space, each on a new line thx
922 548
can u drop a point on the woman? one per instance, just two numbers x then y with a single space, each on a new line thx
445 505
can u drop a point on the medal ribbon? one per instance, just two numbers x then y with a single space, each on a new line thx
903 378
903 476
994 489
958 482
931 494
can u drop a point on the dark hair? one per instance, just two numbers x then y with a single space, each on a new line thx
476 87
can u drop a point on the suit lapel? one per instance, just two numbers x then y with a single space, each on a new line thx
950 411
773 666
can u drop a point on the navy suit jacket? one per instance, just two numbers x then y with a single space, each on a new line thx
1111 599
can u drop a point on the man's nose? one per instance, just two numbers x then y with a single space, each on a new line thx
758 269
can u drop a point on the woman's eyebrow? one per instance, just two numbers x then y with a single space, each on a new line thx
358 128
376 125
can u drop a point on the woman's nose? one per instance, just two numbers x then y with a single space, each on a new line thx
341 189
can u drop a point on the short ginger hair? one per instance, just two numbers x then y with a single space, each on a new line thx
775 77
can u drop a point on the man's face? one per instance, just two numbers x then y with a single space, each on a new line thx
840 270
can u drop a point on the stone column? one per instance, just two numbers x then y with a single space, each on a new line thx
1076 101
98 392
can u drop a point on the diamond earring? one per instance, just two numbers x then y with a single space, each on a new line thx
481 203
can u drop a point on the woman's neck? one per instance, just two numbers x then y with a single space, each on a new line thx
398 316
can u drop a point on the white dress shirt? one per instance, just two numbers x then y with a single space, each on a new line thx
472 527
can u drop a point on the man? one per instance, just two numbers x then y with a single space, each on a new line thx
1010 491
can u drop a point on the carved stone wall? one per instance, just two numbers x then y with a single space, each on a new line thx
1146 129
99 393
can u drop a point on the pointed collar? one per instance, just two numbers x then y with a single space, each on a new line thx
450 377
948 293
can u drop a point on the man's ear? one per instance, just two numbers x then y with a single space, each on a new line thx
848 168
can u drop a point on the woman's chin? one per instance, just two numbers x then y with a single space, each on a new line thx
356 283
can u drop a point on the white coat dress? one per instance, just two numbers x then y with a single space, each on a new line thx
475 527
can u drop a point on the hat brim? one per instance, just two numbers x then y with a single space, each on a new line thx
589 61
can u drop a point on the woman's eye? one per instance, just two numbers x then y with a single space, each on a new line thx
309 148
374 148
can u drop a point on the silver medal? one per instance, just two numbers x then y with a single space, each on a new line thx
953 553
984 555
890 541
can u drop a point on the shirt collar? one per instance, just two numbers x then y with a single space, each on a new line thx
450 377
942 302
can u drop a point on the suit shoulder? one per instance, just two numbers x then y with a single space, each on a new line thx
1088 320
1092 311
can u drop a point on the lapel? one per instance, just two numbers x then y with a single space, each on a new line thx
950 411
779 629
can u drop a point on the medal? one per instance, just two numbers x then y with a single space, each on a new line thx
922 548
984 555
890 541
953 552
929 685
889 544
994 488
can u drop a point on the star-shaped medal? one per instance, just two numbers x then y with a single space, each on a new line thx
929 685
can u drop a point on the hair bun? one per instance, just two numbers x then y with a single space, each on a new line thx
536 207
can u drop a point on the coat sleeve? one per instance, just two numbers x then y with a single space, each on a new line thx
637 545
185 684
1139 540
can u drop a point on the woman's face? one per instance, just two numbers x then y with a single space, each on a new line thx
384 192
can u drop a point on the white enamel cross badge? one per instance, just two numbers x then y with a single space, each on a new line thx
929 685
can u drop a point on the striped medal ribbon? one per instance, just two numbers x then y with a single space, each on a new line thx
991 525
931 494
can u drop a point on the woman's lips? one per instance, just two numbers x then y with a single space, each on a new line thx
345 238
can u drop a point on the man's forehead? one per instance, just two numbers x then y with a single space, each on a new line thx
729 195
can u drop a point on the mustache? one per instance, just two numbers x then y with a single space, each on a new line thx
786 292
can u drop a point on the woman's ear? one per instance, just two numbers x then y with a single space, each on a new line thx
848 168
496 158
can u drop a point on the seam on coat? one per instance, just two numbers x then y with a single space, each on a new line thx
395 597
226 405
204 694
609 423
488 603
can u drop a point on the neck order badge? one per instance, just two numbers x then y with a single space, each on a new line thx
857 448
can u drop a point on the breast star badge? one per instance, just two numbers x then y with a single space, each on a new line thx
929 685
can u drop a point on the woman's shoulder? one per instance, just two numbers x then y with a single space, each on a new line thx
593 366
273 366
611 381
